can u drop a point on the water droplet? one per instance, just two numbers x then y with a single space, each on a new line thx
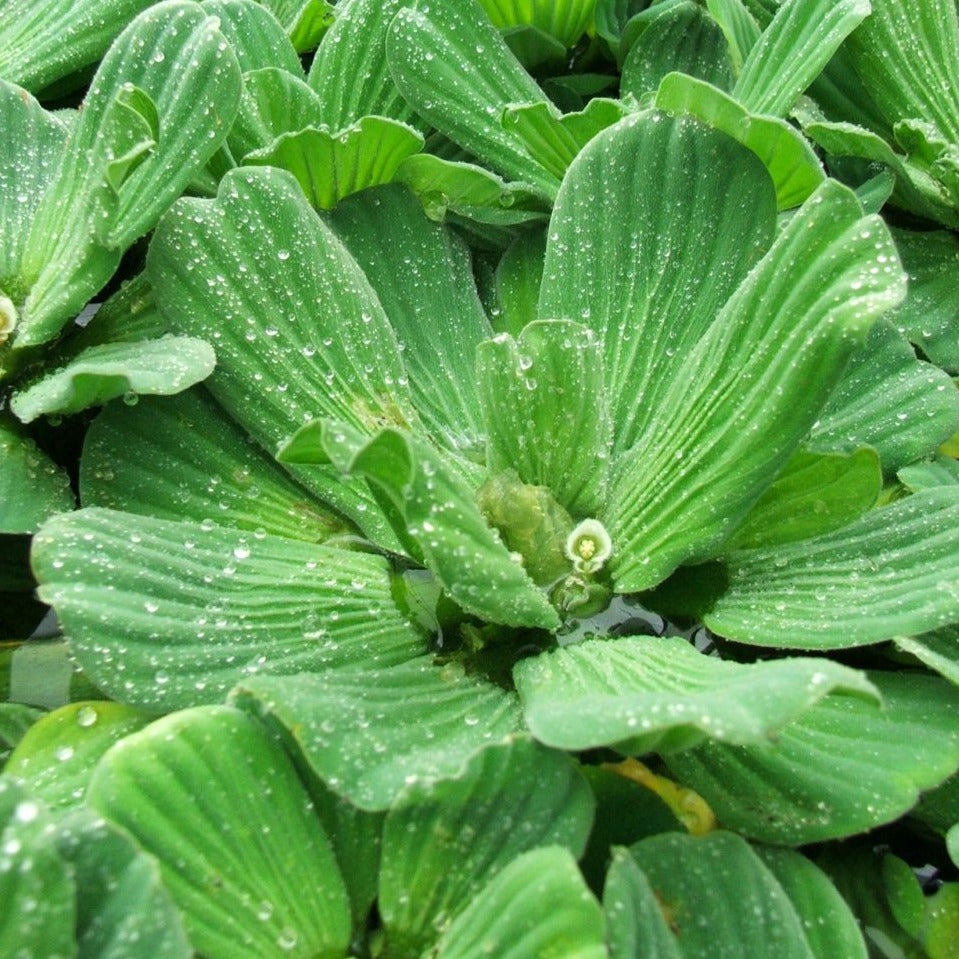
86 716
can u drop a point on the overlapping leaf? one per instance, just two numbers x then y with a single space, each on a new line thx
32 486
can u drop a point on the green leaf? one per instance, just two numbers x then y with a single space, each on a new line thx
175 55
929 316
29 148
56 757
895 571
15 720
442 841
163 614
440 514
355 46
219 804
793 50
183 459
517 281
455 69
939 650
422 275
256 36
889 400
738 26
683 38
566 20
362 732
260 276
102 373
330 166
815 493
36 886
621 258
640 695
542 397
843 767
537 906
45 40
772 357
32 486
787 156
123 909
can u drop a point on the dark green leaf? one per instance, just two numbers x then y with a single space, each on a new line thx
32 486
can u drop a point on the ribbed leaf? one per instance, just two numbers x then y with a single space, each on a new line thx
164 614
939 650
256 36
330 167
355 46
683 38
844 767
537 906
443 841
738 25
815 493
454 68
888 399
640 695
32 486
566 20
183 458
793 50
752 387
621 258
364 734
787 156
422 275
542 397
103 373
893 572
56 757
256 273
174 57
44 40
939 471
219 804
517 281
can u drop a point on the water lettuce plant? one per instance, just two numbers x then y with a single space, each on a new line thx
520 517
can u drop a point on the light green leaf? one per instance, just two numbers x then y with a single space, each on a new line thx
128 316
123 909
537 906
939 471
422 275
554 139
355 46
442 841
255 34
32 486
45 40
542 397
792 51
175 55
219 804
843 767
738 26
939 650
682 38
362 732
718 898
621 258
893 572
929 315
31 144
889 400
455 69
815 493
103 373
274 102
790 160
259 275
37 888
772 357
517 281
566 20
330 166
56 757
640 695
440 514
183 459
163 614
